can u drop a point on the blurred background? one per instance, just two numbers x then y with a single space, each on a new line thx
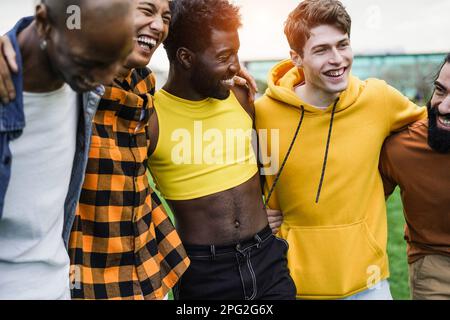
402 41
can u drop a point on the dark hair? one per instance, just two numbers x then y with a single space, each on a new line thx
446 60
310 14
193 21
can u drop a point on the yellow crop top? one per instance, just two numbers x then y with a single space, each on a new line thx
204 147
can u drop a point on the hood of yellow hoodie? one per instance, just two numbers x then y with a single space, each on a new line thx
285 76
282 80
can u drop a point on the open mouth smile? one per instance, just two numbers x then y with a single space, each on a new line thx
146 42
444 121
336 73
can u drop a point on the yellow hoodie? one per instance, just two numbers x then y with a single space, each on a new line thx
330 190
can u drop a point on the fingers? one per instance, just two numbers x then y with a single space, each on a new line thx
251 96
250 83
9 84
4 93
7 90
275 227
253 85
250 80
10 54
274 213
275 224
238 81
275 218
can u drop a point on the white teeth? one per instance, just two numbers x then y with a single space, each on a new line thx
445 121
228 82
335 73
144 40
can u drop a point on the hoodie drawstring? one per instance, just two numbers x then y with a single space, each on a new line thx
324 167
269 195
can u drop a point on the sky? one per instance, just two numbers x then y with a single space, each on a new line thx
379 26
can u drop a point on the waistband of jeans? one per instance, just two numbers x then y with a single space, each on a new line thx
257 239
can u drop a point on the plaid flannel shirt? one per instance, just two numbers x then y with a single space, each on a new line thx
123 245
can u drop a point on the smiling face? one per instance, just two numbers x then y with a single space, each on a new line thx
439 112
326 61
441 98
152 27
215 67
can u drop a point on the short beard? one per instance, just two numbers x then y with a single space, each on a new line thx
207 87
438 139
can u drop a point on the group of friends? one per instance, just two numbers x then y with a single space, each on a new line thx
82 128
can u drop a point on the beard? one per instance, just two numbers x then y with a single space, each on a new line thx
438 139
207 86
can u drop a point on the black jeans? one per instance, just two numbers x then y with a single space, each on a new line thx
252 269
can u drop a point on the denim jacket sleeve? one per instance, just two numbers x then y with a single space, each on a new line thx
12 117
88 103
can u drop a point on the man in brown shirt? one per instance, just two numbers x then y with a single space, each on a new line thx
418 161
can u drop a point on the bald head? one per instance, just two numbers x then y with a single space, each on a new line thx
90 11
91 52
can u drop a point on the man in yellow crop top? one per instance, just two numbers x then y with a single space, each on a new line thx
202 160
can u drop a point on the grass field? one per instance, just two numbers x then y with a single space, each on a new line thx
396 247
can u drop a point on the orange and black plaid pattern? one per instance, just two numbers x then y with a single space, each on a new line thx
123 245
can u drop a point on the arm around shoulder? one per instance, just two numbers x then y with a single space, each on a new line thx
386 170
400 110
241 94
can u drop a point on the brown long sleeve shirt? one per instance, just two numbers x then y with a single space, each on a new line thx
423 176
